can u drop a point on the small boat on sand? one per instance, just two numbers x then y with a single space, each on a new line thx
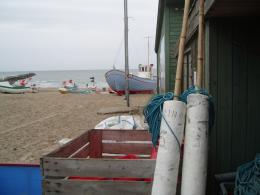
9 84
71 87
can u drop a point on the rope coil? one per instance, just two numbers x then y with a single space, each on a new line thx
248 178
153 112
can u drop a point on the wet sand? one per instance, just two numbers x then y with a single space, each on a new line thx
32 124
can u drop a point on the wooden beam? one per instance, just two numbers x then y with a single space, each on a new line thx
127 148
68 187
95 145
126 135
98 168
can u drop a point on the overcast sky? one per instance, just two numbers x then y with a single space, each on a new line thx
74 34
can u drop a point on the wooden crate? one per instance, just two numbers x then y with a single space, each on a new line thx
95 154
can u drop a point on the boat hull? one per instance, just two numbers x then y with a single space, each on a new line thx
14 90
116 81
63 90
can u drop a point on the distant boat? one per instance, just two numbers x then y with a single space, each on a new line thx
71 87
143 82
7 84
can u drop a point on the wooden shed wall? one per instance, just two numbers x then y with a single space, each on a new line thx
175 23
171 28
234 78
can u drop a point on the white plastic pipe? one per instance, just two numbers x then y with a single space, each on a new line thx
168 157
194 170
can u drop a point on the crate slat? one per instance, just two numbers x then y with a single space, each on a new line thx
126 135
68 187
71 147
110 168
127 148
95 145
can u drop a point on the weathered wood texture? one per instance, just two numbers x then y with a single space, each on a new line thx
82 157
68 187
127 148
81 147
119 135
234 82
193 21
95 145
170 33
98 168
175 22
71 147
227 8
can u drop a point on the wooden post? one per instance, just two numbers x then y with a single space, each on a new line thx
200 62
95 144
177 89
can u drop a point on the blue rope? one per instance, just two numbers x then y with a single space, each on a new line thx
248 178
153 112
194 89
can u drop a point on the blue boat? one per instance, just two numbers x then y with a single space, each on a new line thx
142 83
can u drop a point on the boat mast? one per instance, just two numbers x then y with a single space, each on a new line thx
126 54
148 47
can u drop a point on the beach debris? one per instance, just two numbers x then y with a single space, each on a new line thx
116 110
64 141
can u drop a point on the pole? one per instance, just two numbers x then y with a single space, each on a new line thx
177 89
194 174
201 38
126 54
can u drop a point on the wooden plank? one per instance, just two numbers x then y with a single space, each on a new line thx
95 146
213 89
98 168
116 110
253 107
68 187
71 147
225 95
239 129
127 148
126 135
82 153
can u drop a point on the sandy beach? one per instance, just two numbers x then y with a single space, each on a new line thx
32 124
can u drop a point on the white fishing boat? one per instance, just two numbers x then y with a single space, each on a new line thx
143 82
9 85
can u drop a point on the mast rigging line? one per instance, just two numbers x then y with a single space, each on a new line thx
118 51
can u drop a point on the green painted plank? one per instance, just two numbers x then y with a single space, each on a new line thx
224 112
213 85
239 99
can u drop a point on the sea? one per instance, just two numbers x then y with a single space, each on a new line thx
54 79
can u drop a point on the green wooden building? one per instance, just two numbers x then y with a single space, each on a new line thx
169 23
231 74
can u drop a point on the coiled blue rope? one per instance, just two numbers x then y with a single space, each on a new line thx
153 112
248 178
